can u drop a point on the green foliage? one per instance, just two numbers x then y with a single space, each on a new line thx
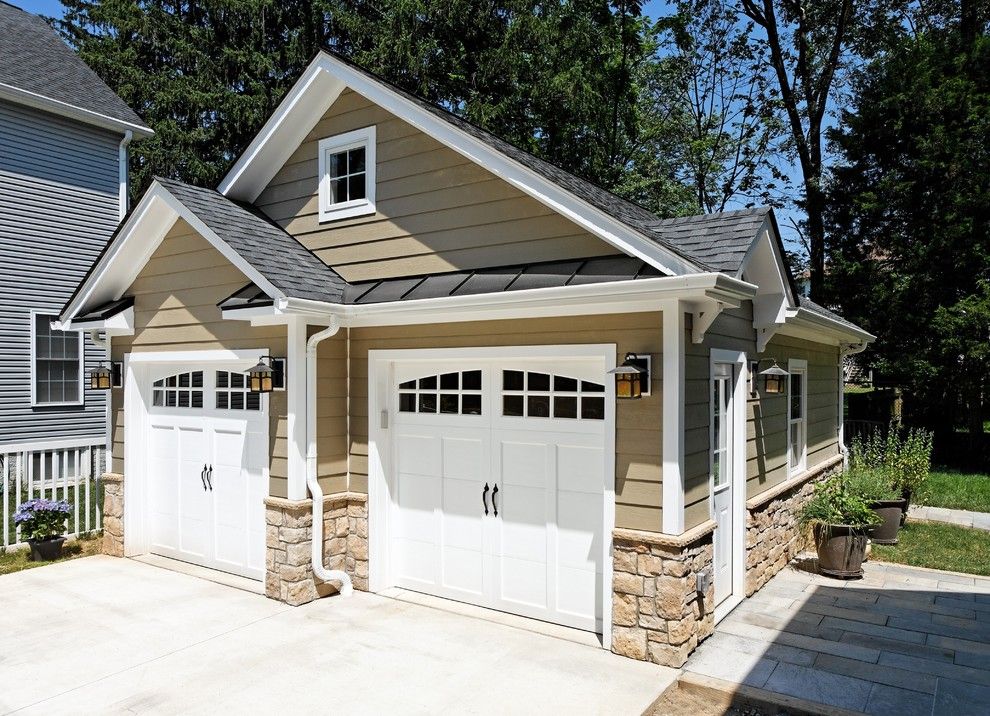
872 485
909 219
833 504
899 458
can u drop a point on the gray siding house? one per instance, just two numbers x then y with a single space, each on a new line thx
63 190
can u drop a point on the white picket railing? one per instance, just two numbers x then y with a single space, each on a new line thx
54 472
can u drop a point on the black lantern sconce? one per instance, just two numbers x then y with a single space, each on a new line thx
632 378
774 379
100 378
260 377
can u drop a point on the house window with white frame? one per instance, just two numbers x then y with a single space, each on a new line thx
347 175
57 363
797 416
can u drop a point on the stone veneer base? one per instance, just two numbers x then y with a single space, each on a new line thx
658 614
113 514
773 533
288 569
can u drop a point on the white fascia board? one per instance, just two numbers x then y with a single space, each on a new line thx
305 104
64 109
295 117
620 297
841 332
134 245
119 324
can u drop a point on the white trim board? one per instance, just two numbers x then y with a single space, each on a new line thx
297 115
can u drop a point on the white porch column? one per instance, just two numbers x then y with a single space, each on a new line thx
295 389
673 416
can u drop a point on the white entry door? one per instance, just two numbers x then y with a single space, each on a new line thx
722 464
208 446
497 495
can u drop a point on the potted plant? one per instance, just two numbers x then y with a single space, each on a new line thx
878 490
42 524
839 521
913 464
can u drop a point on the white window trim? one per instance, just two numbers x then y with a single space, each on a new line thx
795 365
82 366
366 138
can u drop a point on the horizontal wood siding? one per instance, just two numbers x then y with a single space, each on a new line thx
436 210
58 207
638 423
175 309
766 415
331 412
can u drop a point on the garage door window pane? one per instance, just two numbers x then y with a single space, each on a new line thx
592 408
512 405
512 380
233 394
182 390
454 393
538 381
547 395
564 406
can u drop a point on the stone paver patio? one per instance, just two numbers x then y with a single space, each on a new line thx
899 641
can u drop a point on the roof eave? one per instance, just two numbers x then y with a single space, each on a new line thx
47 104
839 328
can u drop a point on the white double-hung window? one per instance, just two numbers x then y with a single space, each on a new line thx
56 363
347 175
797 416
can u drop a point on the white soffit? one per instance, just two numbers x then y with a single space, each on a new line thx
322 83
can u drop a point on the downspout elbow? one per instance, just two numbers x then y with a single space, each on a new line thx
320 570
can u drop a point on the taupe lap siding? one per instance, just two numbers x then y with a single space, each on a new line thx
766 415
436 210
638 423
175 298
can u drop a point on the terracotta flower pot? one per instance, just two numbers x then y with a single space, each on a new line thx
841 550
891 511
45 550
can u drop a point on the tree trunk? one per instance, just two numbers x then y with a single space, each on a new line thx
815 208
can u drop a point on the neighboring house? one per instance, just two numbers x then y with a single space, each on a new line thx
63 189
448 309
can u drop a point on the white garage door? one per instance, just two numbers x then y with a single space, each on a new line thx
207 452
498 486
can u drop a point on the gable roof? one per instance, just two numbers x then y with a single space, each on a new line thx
38 69
280 258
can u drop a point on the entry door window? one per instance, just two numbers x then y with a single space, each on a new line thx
721 392
797 416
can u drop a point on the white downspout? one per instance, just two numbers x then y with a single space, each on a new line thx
122 174
319 570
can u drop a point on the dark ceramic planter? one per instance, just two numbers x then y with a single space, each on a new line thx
45 550
906 494
841 550
891 512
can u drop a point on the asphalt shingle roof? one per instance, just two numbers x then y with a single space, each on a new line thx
807 303
273 253
34 58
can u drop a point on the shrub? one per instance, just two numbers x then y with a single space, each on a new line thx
42 519
833 504
902 458
871 484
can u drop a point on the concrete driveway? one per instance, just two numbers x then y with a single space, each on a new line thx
99 635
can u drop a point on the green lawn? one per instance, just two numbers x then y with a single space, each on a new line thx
938 546
956 490
95 498
17 559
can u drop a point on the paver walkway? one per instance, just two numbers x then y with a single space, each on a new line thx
902 640
963 518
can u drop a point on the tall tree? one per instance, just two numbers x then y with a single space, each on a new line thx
731 132
909 217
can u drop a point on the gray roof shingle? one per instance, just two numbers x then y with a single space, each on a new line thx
273 253
807 303
34 58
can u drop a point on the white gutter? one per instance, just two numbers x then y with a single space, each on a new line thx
319 570
64 109
122 174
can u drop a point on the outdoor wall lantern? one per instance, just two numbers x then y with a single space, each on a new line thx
774 379
630 376
99 378
260 377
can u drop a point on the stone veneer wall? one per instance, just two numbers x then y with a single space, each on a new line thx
288 570
773 535
658 614
113 514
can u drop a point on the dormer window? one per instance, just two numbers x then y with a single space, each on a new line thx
347 175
